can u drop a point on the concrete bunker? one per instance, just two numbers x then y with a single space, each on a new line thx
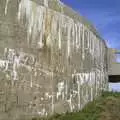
51 59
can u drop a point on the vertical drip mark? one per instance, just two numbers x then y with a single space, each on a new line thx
68 39
31 82
52 102
88 40
66 90
83 50
34 21
90 85
76 36
6 6
93 44
79 34
41 30
73 35
46 3
59 38
78 92
59 35
71 103
19 11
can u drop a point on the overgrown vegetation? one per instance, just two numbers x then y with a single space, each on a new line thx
106 107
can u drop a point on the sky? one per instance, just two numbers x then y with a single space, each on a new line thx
103 14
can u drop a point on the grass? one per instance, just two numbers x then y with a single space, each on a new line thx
106 107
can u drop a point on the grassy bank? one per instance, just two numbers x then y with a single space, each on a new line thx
106 107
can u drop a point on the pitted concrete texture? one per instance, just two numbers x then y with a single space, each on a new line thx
51 59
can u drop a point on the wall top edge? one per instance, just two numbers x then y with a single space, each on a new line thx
59 6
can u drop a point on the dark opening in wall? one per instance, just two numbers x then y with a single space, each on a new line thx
114 78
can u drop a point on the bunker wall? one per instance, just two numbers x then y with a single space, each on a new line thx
51 59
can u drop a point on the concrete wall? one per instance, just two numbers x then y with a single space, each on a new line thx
115 69
51 59
114 66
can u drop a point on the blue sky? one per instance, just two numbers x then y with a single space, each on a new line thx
105 16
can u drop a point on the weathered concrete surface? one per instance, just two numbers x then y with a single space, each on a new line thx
114 66
51 59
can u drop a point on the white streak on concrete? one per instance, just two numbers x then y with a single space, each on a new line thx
46 3
61 87
6 7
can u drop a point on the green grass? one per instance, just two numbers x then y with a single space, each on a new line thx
106 107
